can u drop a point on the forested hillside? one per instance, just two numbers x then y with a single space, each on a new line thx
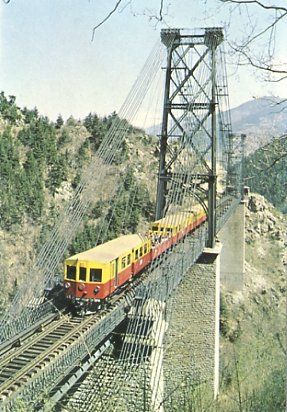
265 171
41 164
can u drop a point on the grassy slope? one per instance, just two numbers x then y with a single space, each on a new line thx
253 353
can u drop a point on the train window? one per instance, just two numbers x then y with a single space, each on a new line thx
83 272
95 275
154 228
141 251
136 254
145 248
123 262
128 260
71 272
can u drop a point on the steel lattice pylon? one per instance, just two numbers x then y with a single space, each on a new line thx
193 126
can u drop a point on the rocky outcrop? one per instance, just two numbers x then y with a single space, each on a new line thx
262 219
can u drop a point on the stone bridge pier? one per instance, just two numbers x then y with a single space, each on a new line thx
232 237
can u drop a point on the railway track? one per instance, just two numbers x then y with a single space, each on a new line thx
22 363
20 338
27 370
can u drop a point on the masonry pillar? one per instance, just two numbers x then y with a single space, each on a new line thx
232 237
192 340
212 256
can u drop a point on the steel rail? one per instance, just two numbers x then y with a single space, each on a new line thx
20 338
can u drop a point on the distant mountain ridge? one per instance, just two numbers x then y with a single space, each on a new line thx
265 115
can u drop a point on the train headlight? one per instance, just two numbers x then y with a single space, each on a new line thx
67 285
81 287
96 290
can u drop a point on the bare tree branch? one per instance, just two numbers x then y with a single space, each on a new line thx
267 67
160 10
270 27
264 6
247 49
106 18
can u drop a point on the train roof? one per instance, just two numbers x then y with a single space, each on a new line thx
176 218
172 220
109 251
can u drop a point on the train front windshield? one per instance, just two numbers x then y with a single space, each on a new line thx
71 272
95 275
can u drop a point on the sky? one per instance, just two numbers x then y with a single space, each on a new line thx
49 60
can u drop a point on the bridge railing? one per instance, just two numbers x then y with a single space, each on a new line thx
225 210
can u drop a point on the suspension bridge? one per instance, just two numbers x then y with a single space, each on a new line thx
123 355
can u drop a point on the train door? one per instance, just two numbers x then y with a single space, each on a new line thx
117 273
112 288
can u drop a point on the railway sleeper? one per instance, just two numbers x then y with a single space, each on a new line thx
32 353
27 355
56 335
63 330
49 342
5 376
14 365
40 346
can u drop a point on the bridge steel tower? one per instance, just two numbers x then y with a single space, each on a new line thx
190 119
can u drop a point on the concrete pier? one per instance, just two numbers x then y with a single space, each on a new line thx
232 237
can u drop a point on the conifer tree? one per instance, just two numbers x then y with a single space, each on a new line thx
34 187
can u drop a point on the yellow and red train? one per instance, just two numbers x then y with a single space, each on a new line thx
92 276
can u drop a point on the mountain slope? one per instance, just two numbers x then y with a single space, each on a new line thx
253 346
260 119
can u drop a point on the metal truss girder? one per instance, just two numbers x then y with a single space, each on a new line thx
62 388
199 178
196 40
204 177
189 138
211 37
188 75
190 106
